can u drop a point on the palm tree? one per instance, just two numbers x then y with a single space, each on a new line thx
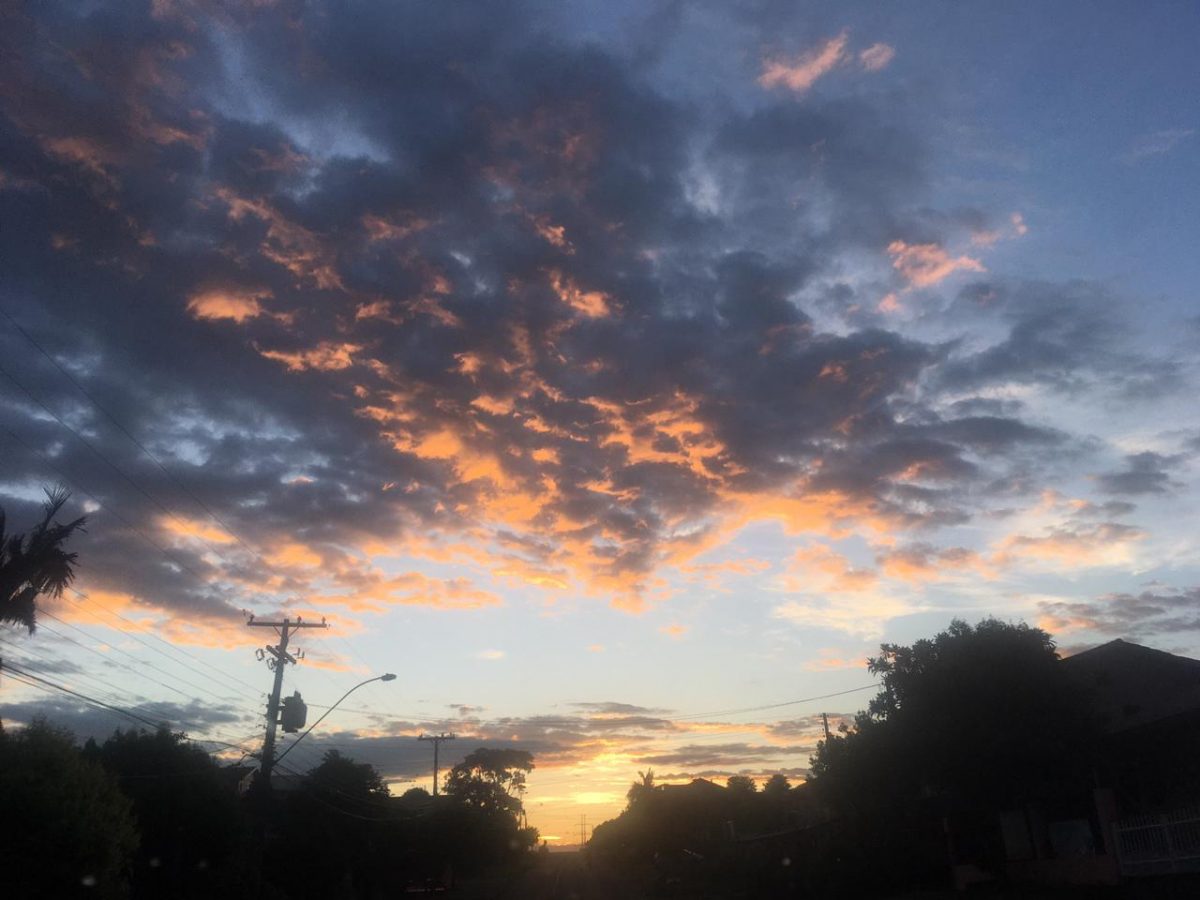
36 563
640 790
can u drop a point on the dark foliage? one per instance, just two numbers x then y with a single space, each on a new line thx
492 780
66 829
34 564
974 721
193 838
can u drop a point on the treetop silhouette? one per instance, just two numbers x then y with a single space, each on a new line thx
35 563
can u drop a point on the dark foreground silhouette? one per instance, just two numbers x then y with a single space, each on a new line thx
985 764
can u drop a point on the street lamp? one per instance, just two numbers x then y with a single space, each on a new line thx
386 677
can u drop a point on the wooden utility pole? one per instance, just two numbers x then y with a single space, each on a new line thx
825 721
437 741
279 658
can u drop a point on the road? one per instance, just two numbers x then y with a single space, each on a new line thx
555 876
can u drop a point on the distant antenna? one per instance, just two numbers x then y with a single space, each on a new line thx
437 741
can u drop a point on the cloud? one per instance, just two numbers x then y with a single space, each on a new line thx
923 562
1156 612
87 721
876 57
802 72
233 303
925 265
1144 473
611 707
1156 143
1068 336
1073 545
411 360
724 755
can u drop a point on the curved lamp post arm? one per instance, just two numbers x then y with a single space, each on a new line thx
388 677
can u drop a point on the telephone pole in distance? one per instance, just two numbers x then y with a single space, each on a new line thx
437 742
279 658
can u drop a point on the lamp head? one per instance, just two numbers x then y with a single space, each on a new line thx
388 677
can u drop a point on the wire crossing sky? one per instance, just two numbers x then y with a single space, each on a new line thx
590 364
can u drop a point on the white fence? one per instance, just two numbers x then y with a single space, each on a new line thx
1159 843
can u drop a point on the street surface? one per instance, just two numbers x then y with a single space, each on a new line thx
555 876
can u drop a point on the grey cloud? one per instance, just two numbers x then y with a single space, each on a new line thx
1144 473
611 707
733 754
1149 613
1064 335
87 721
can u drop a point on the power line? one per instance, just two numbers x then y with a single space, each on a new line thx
125 431
142 662
106 690
92 603
36 661
30 678
128 478
84 697
107 507
100 455
255 553
747 709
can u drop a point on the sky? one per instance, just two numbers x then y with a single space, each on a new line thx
617 375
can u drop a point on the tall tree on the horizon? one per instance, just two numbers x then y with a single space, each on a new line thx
36 563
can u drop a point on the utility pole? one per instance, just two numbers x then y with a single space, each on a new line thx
825 721
437 742
582 830
279 658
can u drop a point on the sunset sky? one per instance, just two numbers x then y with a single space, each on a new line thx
613 373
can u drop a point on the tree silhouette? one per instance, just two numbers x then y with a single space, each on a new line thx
189 818
331 830
491 779
976 720
640 790
741 784
777 785
35 563
67 830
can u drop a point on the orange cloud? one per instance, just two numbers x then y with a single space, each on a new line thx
925 265
876 57
295 555
362 588
801 73
552 234
921 562
379 228
1105 544
238 304
592 304
288 244
327 356
889 304
192 528
820 568
830 659
142 615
